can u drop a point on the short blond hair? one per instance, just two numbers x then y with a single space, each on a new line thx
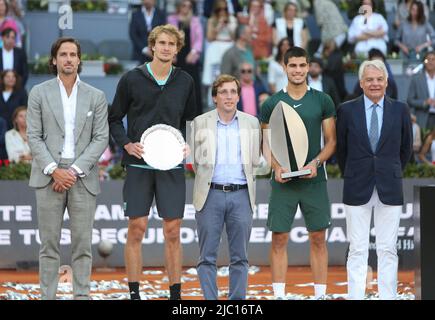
170 30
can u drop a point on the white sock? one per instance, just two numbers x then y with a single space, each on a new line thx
278 290
319 290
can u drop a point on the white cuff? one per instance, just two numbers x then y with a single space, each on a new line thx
48 170
79 171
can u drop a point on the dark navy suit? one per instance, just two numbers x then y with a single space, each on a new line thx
139 32
364 169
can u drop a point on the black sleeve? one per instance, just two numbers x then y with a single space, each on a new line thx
407 139
117 112
25 67
189 109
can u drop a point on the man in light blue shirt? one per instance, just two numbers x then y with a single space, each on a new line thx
226 151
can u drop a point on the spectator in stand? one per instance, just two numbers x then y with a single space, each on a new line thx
375 54
12 95
368 31
9 22
276 76
416 35
221 29
234 7
188 57
428 147
3 154
239 52
416 134
291 27
17 145
11 57
334 66
421 93
331 23
403 11
317 80
355 5
252 88
142 22
16 12
261 32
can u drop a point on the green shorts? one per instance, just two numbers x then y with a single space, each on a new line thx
312 198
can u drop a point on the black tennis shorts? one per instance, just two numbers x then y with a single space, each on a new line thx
142 185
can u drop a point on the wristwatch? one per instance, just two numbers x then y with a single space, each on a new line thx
318 163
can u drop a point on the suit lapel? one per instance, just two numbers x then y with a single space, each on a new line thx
212 125
244 139
425 87
55 103
387 121
82 108
361 122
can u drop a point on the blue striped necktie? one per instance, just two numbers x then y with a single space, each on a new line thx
374 128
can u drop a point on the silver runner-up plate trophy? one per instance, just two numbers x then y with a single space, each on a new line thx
163 147
284 117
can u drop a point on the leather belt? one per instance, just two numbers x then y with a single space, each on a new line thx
228 187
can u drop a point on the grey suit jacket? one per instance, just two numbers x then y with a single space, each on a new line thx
417 94
45 130
203 143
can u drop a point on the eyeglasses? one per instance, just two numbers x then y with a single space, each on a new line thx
246 71
227 93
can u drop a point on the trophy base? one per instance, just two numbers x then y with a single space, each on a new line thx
295 174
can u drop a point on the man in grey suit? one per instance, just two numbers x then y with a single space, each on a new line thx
226 151
421 94
68 131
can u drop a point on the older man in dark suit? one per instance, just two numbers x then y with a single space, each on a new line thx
142 22
374 143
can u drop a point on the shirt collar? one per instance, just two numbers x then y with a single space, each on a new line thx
285 88
428 76
368 103
236 116
144 10
75 83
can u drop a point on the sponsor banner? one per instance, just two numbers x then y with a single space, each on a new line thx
19 236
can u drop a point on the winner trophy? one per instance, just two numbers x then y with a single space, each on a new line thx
284 118
163 147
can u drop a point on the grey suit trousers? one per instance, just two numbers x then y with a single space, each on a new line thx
234 210
51 206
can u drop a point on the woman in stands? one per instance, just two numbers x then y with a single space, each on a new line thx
189 56
16 139
12 95
221 29
9 22
291 27
416 35
276 76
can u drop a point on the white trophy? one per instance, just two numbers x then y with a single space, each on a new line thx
284 118
163 147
